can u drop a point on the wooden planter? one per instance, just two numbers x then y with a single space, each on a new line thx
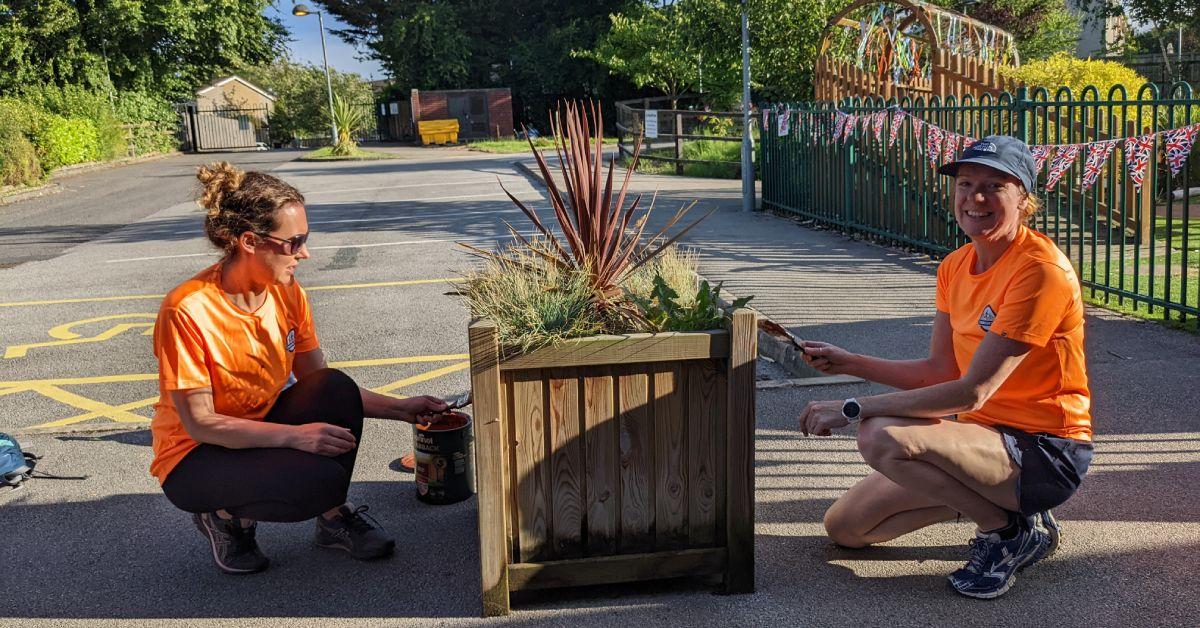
614 459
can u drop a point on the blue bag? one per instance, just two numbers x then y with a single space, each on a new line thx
16 466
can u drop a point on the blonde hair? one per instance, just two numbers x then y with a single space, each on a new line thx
239 201
1031 206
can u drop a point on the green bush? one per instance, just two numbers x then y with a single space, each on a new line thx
19 164
67 141
73 101
155 121
1062 69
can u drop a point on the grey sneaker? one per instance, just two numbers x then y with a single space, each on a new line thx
234 549
352 532
994 563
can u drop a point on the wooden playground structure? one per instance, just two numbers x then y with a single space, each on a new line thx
907 48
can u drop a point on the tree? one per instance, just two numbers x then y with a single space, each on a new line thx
301 105
165 46
1164 18
1040 27
426 48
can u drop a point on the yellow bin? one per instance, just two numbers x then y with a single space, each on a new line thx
438 131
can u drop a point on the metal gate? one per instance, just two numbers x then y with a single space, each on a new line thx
225 128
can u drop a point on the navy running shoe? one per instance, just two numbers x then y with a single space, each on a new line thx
1049 525
993 565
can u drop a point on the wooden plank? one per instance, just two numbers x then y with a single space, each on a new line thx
489 465
610 569
703 413
628 349
670 457
566 464
529 455
637 461
739 577
602 491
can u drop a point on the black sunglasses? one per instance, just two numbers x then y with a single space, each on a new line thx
290 245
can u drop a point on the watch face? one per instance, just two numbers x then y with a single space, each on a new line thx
851 409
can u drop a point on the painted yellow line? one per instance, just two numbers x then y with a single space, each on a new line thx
135 297
63 332
20 351
80 418
143 377
423 377
10 390
90 405
349 364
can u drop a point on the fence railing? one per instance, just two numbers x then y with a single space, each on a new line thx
1139 250
674 129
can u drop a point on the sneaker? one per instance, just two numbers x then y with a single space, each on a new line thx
352 532
234 549
1046 522
993 565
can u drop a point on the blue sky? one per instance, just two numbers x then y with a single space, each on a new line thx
306 44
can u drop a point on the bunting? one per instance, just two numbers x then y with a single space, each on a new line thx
950 147
1178 145
785 122
1061 162
897 120
934 144
878 120
1040 154
1137 158
1098 153
839 124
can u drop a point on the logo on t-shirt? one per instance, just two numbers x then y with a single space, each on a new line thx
291 341
987 318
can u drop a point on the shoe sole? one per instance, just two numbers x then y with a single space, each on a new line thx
212 543
388 552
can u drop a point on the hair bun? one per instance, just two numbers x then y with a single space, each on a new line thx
219 179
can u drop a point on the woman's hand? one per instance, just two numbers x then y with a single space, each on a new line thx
827 358
420 409
820 418
322 439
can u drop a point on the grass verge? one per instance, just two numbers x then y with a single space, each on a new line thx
519 146
359 154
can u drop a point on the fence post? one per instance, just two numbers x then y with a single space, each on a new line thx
1021 106
847 174
678 143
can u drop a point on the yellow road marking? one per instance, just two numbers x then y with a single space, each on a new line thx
91 405
415 379
95 414
20 351
135 297
63 332
349 364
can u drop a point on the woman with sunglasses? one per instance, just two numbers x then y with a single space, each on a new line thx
251 424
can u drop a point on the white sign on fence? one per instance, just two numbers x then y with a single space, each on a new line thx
395 107
651 123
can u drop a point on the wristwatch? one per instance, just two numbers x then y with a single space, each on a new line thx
851 411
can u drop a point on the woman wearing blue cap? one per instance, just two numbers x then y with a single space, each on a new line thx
995 423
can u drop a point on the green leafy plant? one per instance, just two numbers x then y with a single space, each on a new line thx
664 311
600 237
66 141
349 120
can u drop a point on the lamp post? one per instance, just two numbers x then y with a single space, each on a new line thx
747 141
301 10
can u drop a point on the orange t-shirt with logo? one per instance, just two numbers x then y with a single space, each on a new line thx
1030 294
202 340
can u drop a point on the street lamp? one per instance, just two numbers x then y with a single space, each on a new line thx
747 140
301 10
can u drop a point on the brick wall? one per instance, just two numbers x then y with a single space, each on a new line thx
500 115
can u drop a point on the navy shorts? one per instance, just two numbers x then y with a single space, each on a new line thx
1052 467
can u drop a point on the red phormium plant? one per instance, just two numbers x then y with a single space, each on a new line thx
596 234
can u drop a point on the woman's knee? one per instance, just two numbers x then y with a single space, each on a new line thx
841 528
338 390
884 438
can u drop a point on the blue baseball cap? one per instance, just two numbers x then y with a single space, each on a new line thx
1002 152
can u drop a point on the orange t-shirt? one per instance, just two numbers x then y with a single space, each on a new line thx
202 340
1030 294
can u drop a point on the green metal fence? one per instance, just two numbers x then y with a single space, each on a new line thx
1137 250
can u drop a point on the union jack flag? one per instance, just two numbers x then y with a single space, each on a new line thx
851 127
1098 153
897 120
785 122
1040 155
838 123
1061 162
934 144
1179 145
950 147
1137 158
877 120
918 124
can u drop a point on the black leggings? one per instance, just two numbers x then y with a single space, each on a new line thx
269 484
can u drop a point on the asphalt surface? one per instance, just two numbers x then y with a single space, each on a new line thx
110 550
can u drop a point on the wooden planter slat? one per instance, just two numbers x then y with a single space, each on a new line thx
633 467
628 349
623 568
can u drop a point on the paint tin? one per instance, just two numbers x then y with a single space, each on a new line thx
445 469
